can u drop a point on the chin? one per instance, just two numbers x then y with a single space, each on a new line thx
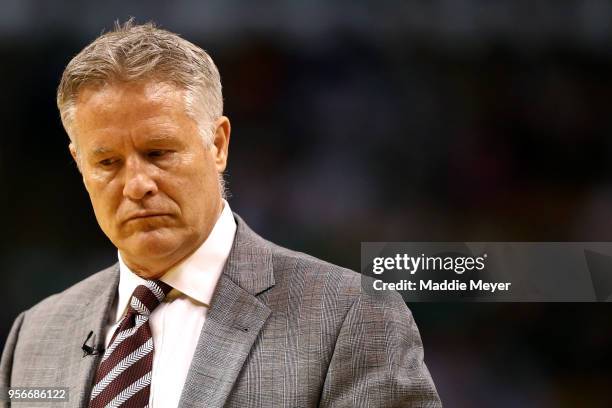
153 245
149 275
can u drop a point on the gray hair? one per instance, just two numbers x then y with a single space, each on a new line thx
133 52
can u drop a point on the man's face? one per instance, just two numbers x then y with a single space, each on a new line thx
152 182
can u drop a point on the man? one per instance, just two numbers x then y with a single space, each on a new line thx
199 311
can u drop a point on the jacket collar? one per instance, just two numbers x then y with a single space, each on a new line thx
250 260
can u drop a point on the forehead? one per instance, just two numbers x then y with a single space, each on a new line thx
140 110
128 105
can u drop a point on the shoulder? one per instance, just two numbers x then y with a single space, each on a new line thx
351 287
78 294
306 275
290 260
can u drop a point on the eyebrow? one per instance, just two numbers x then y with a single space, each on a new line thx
162 138
100 151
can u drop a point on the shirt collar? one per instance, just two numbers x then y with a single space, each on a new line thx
197 275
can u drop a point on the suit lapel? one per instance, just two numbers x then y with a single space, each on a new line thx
229 332
233 322
92 317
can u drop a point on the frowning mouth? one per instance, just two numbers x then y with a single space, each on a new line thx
145 216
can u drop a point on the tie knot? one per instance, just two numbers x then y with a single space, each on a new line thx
148 296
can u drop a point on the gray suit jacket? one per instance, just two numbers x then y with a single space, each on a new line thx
284 330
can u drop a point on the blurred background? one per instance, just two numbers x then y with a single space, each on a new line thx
437 120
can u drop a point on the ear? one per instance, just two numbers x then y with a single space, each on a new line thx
220 143
75 156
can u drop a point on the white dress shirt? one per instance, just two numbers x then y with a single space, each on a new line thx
177 322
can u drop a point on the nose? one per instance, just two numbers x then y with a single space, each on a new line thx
139 181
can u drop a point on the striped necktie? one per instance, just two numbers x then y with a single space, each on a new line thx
123 378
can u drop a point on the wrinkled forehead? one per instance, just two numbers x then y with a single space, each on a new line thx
101 94
116 101
115 109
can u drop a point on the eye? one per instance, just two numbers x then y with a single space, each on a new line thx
107 162
157 153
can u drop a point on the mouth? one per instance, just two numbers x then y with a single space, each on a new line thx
145 216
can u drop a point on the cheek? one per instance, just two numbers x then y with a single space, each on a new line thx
104 195
196 174
195 191
207 184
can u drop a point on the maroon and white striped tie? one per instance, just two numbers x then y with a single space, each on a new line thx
123 378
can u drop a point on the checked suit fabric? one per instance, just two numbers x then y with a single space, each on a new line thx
123 378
